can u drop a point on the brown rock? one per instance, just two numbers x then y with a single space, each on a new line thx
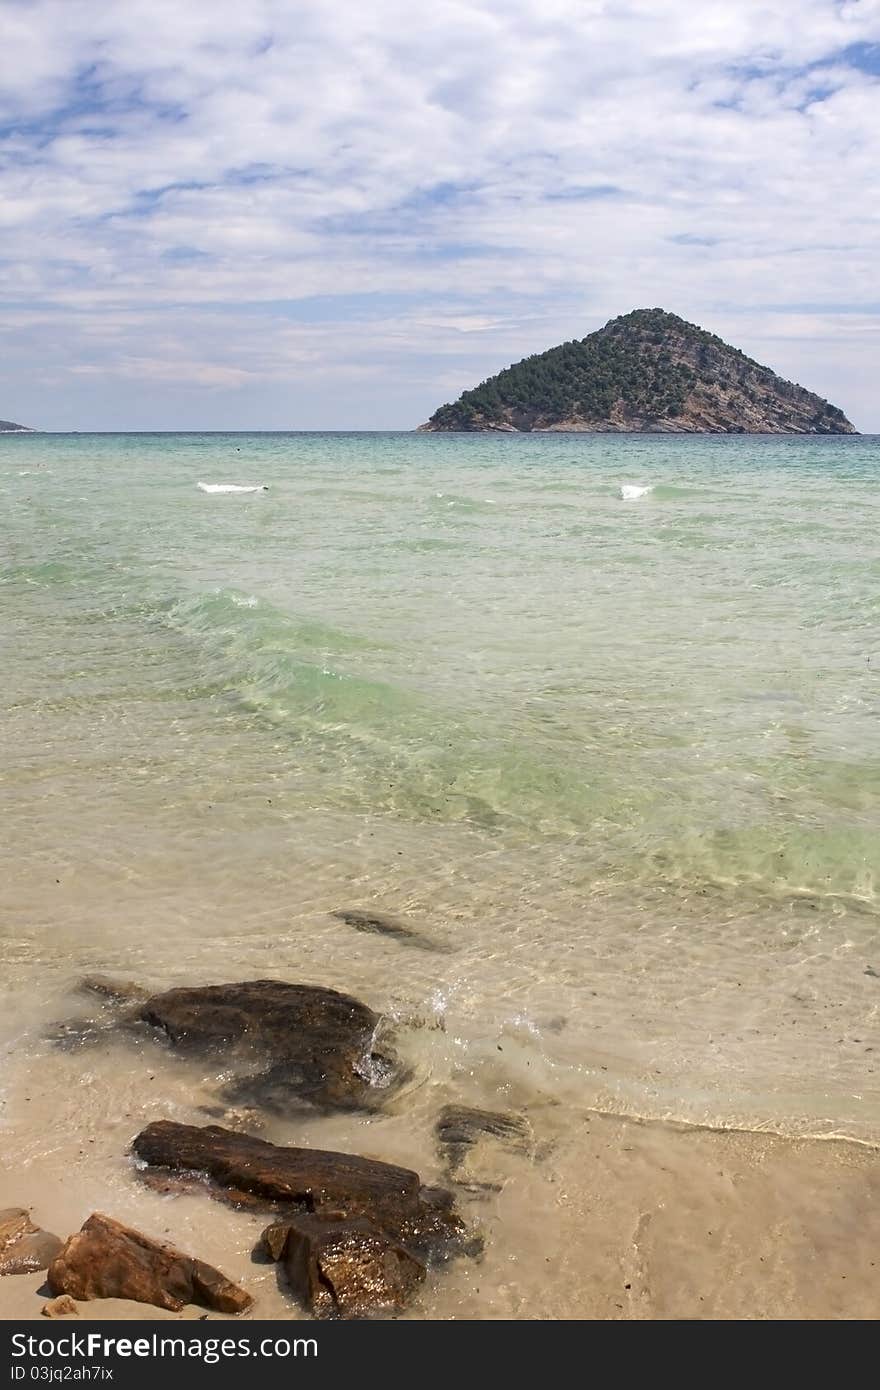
34 1251
24 1248
14 1222
295 1042
341 1267
251 1172
63 1307
108 1260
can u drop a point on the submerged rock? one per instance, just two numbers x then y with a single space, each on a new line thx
302 1041
248 1121
24 1247
85 1031
254 1173
108 1260
344 1267
73 1033
116 991
383 925
471 1142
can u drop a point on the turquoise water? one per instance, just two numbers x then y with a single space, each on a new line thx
623 756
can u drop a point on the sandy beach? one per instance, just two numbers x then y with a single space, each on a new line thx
658 1221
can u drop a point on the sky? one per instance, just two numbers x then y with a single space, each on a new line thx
297 214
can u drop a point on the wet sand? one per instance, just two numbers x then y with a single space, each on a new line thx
617 1219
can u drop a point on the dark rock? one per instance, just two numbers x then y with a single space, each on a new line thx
24 1248
286 1043
108 1260
471 1141
296 1042
383 925
253 1173
344 1267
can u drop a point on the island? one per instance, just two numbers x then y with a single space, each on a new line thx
646 372
9 427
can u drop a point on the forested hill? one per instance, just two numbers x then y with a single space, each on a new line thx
646 371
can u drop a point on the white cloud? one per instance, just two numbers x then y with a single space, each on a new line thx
496 175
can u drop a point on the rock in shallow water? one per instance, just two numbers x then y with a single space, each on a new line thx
251 1172
24 1248
108 1260
114 991
381 924
79 1032
282 1044
308 1043
471 1142
342 1267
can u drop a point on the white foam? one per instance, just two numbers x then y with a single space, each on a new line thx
232 487
629 491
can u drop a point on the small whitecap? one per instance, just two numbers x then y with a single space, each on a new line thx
232 487
630 491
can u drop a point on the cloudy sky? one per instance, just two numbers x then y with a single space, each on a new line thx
315 214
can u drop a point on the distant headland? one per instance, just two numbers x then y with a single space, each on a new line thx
10 427
646 372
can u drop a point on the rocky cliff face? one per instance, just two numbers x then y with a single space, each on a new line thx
648 371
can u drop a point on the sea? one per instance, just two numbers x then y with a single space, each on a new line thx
596 717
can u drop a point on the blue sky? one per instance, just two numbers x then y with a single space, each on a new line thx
303 215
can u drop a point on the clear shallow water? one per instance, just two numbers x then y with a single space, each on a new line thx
621 757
